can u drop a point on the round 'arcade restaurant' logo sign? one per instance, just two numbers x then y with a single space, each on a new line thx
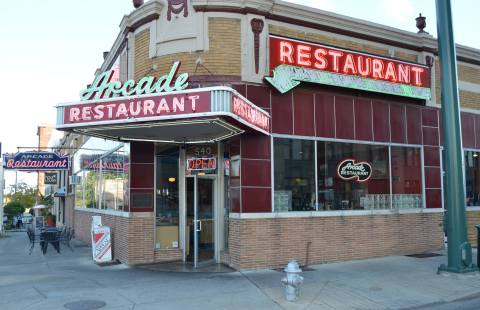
349 170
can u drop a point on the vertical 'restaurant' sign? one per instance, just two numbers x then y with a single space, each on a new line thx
250 113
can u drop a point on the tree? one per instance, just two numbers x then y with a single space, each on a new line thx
24 194
13 208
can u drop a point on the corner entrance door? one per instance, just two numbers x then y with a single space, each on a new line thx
200 234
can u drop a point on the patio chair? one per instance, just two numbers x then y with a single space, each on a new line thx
66 236
51 236
33 239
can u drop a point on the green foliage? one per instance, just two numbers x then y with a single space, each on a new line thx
24 194
47 201
13 208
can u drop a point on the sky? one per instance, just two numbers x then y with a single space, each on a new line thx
50 50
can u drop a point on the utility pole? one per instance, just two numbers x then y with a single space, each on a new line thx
2 182
459 250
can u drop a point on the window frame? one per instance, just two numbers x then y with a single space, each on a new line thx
81 171
321 139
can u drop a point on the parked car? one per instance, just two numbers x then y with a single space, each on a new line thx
27 218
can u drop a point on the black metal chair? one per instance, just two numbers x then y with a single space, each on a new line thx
51 236
33 238
66 236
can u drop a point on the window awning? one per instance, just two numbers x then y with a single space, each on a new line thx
192 116
60 192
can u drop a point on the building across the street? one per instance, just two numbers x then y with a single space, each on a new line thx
255 132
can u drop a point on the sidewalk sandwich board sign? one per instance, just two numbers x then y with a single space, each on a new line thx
101 244
101 241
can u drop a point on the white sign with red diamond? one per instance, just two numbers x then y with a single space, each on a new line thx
101 244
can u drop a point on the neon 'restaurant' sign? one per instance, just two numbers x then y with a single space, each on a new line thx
293 62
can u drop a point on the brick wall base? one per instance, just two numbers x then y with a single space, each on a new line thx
132 238
473 218
272 242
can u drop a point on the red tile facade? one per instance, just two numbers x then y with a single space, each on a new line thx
381 123
328 114
255 173
142 176
468 128
344 120
324 115
363 119
344 116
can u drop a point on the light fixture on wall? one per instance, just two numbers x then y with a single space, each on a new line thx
171 180
475 154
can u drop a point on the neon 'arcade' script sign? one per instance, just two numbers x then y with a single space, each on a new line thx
348 169
293 62
103 86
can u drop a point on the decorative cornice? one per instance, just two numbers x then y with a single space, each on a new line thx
257 28
335 23
176 7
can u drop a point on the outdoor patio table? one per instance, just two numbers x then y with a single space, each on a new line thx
50 235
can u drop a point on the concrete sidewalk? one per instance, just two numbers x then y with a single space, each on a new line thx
50 281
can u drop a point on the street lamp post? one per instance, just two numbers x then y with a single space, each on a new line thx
459 250
1 197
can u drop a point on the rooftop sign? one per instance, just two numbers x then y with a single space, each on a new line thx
105 86
293 62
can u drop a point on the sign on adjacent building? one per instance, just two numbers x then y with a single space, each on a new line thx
112 162
293 62
51 178
36 161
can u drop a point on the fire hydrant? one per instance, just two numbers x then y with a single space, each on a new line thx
292 281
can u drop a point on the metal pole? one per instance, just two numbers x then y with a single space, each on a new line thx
459 250
1 198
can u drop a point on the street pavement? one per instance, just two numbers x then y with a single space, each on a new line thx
398 282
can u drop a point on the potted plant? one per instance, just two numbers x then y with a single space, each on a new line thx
51 220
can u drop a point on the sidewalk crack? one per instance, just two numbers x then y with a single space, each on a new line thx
39 292
261 290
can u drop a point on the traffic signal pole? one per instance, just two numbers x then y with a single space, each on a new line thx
459 250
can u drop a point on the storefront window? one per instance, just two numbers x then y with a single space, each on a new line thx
406 177
101 177
167 197
472 178
369 191
350 176
294 175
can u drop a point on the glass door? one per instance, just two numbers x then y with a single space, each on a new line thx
200 224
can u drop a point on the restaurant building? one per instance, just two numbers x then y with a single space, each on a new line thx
254 132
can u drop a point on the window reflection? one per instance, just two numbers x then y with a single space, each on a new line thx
102 176
335 193
294 175
367 183
167 199
472 178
